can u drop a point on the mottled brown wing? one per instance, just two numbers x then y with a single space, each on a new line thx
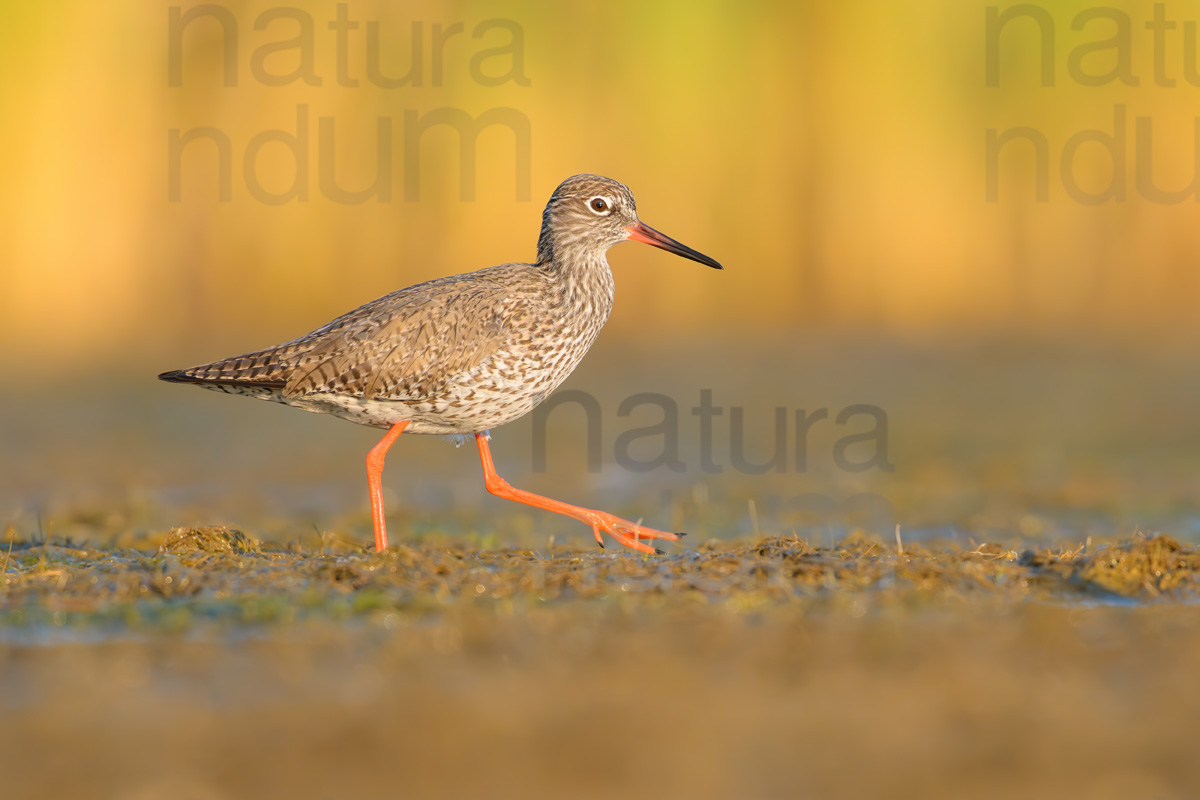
406 345
401 345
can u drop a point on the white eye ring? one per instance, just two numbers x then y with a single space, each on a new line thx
600 205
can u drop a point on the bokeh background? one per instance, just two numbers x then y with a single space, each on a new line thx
1035 358
1034 355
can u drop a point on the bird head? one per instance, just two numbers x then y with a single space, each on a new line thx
592 213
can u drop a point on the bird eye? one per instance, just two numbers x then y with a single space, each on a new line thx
599 205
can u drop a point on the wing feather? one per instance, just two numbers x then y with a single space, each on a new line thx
404 345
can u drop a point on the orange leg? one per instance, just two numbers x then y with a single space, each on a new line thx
625 532
374 475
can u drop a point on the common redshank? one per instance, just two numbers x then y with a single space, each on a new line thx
465 353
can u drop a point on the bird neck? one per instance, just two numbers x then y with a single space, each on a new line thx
545 248
571 256
568 245
581 276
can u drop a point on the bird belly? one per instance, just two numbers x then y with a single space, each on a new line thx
458 412
423 417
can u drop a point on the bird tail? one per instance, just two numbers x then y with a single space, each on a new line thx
265 368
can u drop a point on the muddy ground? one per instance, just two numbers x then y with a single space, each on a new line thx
205 664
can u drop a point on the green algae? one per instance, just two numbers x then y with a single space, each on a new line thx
219 575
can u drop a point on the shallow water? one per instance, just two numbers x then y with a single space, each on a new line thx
985 443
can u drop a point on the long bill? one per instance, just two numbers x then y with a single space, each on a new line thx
641 232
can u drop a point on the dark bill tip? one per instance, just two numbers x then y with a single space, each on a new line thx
641 232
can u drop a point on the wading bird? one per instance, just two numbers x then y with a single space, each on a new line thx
466 353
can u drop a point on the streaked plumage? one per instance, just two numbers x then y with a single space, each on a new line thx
461 354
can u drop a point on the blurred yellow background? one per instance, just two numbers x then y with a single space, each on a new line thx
1035 357
1035 360
833 156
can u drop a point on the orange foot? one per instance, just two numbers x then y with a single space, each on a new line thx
627 533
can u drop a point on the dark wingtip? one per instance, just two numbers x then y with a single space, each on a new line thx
185 376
